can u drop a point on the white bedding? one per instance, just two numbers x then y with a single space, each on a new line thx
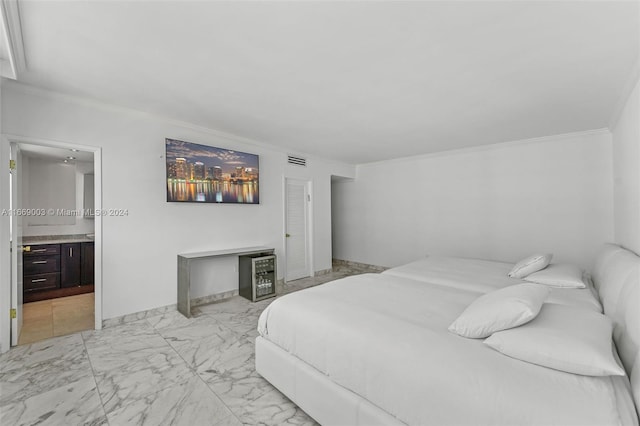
385 338
468 274
483 276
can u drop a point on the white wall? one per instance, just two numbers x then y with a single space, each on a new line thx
50 184
501 202
139 258
626 169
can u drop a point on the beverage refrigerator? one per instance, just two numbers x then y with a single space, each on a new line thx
257 277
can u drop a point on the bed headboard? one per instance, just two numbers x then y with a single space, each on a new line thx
616 276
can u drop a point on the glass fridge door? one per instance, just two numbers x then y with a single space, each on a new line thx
264 277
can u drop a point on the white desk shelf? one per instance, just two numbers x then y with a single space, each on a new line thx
184 270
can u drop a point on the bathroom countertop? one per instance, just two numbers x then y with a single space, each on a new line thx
57 239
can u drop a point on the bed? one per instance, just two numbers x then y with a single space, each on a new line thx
375 349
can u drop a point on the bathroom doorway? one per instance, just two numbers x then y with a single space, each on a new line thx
55 255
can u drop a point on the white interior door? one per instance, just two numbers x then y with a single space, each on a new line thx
16 245
297 199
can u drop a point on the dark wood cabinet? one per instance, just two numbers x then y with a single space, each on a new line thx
70 265
34 265
41 282
57 270
87 268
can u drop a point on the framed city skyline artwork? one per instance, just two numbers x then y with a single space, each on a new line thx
206 174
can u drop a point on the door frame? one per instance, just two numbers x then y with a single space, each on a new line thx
5 253
310 233
17 262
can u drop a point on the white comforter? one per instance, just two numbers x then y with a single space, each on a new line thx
385 338
484 276
468 274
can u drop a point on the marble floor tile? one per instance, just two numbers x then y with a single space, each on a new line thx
213 352
231 420
75 403
193 329
171 319
25 382
125 378
236 382
241 316
66 347
122 339
205 342
130 329
188 403
273 409
160 369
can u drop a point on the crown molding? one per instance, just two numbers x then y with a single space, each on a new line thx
13 66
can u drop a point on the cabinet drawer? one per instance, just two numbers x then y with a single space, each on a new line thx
35 265
42 249
41 282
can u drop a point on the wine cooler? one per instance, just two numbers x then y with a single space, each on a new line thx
257 277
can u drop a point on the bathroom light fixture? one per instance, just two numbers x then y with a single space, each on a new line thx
71 158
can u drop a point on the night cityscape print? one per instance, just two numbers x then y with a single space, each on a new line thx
205 174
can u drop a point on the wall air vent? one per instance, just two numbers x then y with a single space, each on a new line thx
298 161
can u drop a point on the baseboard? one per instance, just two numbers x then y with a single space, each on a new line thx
323 272
340 262
205 300
137 316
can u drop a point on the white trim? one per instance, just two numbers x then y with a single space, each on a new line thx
5 285
628 87
13 34
97 285
8 65
486 147
5 253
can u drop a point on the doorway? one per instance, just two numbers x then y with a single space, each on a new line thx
55 285
297 229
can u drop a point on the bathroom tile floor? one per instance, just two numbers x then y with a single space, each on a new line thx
56 317
164 370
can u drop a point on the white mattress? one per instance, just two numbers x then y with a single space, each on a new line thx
385 338
484 276
469 274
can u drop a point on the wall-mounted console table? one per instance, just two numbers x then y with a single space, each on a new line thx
184 268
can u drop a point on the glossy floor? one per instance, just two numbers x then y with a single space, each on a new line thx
165 369
56 317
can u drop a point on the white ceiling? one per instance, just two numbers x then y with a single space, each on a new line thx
353 81
41 151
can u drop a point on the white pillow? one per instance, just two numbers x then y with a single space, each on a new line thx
501 309
563 338
562 275
530 265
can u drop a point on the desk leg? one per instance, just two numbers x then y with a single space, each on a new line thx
184 293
